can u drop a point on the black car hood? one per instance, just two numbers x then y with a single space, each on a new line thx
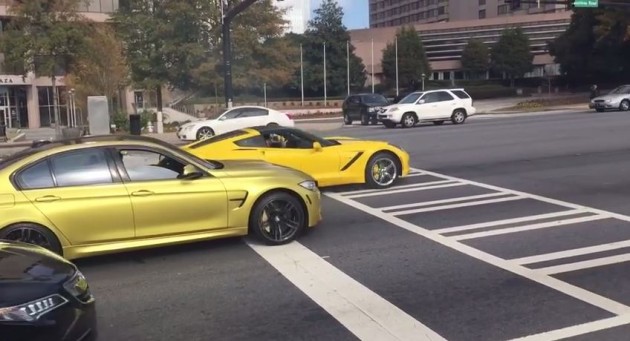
28 272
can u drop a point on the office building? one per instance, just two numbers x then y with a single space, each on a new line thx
26 101
445 41
390 13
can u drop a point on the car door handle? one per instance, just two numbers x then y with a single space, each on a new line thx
48 198
142 193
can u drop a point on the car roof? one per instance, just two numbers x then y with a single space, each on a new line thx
46 145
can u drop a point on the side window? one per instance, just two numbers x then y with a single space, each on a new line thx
461 94
81 168
144 165
231 114
253 112
354 100
444 96
37 176
431 97
256 141
288 140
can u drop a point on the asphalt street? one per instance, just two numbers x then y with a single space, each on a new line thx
509 227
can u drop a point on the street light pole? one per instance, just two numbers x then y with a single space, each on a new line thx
227 15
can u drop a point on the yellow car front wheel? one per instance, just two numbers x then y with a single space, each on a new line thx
382 170
278 218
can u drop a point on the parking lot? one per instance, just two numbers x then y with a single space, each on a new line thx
507 228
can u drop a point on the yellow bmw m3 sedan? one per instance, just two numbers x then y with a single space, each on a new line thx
104 194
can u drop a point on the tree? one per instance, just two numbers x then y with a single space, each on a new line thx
475 57
260 52
46 38
164 41
412 59
511 55
327 27
595 46
100 68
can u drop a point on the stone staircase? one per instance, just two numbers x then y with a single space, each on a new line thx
36 134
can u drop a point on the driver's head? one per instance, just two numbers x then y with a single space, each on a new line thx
276 140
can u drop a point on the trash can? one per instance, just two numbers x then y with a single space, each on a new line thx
71 133
135 124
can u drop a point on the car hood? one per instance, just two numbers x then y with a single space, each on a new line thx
610 97
195 123
251 168
28 272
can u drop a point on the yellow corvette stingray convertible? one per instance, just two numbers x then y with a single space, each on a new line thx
103 194
330 161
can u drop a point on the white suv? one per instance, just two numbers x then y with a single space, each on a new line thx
434 106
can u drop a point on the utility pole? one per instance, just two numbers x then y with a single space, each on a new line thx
226 20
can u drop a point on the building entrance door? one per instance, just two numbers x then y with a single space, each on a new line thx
5 113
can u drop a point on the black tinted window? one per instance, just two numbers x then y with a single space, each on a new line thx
431 97
36 176
80 168
143 165
375 99
253 112
444 96
460 94
256 141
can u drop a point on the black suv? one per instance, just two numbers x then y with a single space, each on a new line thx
363 107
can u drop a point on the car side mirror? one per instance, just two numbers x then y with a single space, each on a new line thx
421 101
317 146
190 173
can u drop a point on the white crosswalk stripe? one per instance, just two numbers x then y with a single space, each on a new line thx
564 216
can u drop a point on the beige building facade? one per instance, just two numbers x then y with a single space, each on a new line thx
445 41
26 101
392 13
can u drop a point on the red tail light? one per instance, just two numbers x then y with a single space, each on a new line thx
290 116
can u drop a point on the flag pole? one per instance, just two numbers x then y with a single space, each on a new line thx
397 93
302 73
348 65
325 95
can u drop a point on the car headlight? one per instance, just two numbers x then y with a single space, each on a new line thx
309 184
31 311
77 286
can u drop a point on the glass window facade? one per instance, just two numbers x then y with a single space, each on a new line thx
46 113
99 6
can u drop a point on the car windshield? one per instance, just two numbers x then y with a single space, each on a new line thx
625 89
411 98
375 99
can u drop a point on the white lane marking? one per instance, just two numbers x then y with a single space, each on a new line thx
385 190
465 204
411 175
580 329
566 288
443 201
587 264
572 253
404 190
529 195
508 221
544 225
363 312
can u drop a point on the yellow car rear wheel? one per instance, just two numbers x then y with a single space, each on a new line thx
32 234
278 218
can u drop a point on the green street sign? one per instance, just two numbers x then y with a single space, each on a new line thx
586 3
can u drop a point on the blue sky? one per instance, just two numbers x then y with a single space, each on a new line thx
355 12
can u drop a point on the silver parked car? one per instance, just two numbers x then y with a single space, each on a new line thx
619 99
